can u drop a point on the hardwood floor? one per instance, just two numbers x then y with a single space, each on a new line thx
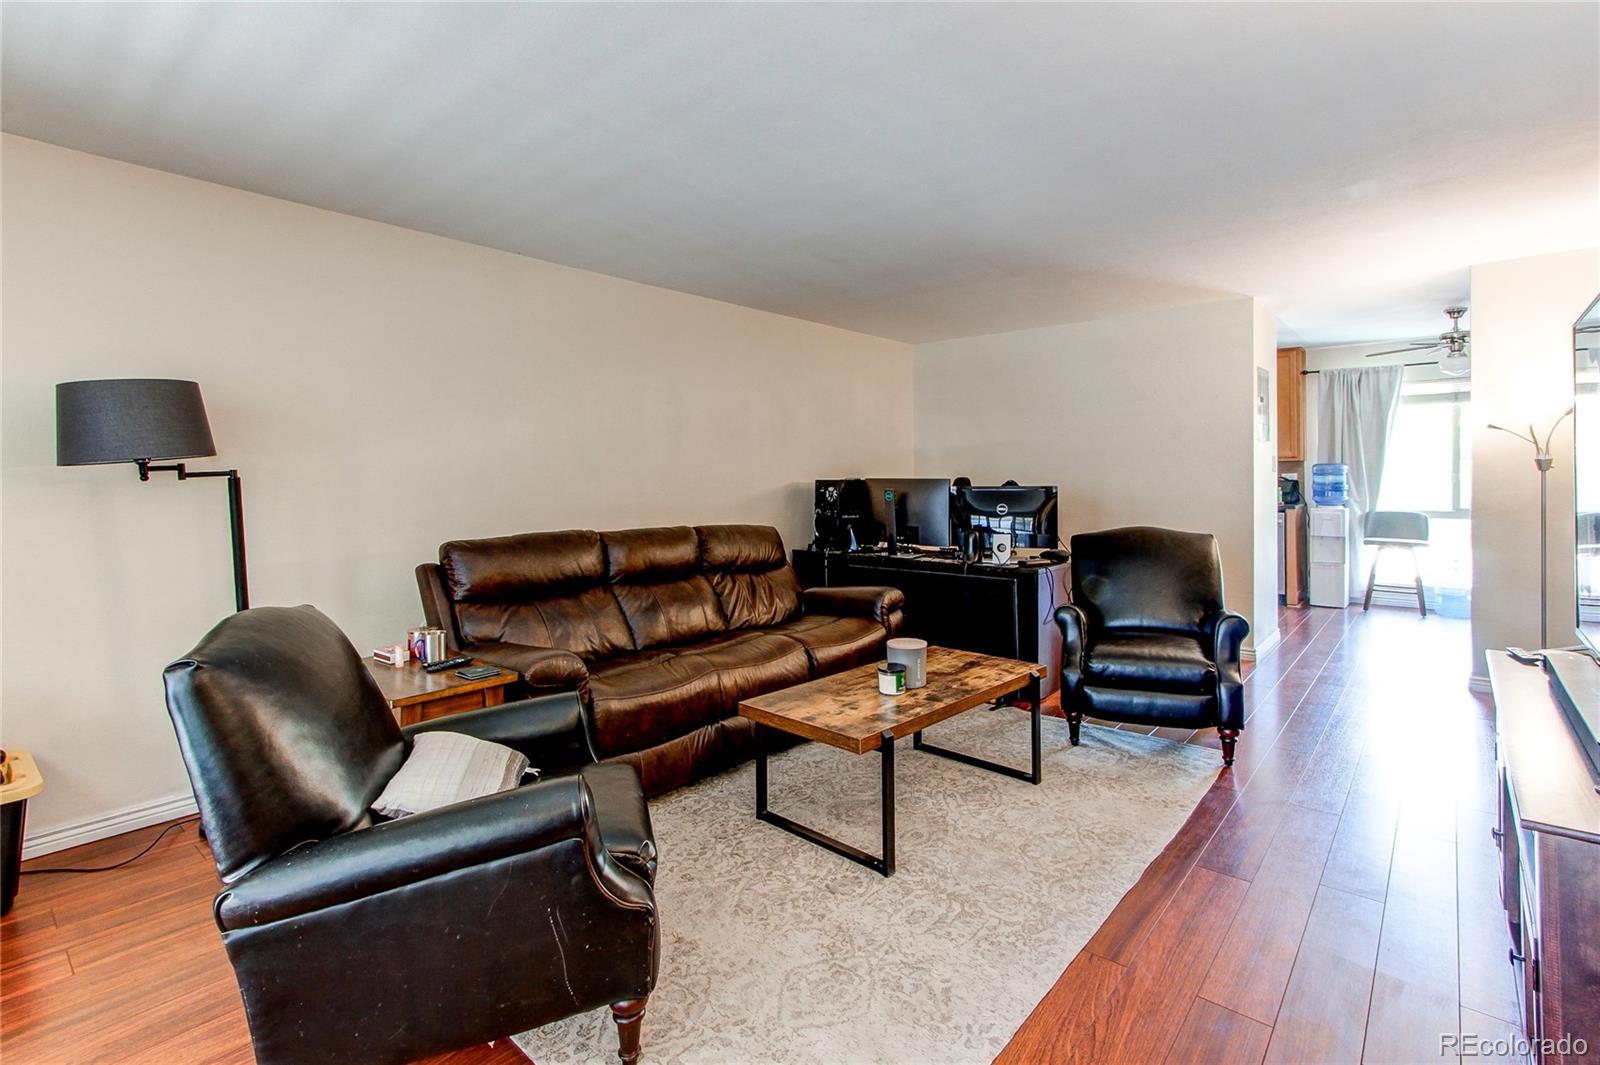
1332 898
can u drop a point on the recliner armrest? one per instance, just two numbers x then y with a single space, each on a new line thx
540 667
368 861
1074 625
549 730
1228 631
863 601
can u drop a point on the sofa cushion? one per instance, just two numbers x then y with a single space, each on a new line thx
640 702
836 643
535 589
650 697
655 577
529 565
1151 662
750 574
588 623
654 554
749 663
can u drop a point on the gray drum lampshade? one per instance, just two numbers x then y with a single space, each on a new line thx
130 419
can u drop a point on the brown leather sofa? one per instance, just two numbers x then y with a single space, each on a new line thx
661 631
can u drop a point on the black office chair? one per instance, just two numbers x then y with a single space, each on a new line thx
1405 530
1147 639
356 941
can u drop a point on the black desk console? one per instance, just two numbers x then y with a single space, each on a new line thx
1007 611
1549 834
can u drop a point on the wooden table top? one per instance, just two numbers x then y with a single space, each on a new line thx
847 711
410 683
1549 773
25 779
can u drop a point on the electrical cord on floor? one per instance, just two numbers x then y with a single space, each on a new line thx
108 868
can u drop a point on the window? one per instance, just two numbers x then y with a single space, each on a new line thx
1428 467
1429 462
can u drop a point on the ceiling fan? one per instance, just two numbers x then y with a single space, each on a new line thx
1455 360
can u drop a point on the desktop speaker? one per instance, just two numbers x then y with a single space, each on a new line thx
1000 547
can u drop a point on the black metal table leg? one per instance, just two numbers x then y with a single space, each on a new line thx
1038 767
1032 776
884 864
761 773
886 801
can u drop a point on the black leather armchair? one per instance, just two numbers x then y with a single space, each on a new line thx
1147 638
384 942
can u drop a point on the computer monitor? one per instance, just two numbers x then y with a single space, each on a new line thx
912 510
1027 512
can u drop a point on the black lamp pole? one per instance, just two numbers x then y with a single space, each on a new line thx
241 587
141 420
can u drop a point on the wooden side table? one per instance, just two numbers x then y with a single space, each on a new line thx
415 695
25 783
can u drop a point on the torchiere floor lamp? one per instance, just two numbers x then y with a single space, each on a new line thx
142 420
1542 461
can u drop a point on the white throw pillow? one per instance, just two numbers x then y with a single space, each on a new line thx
449 767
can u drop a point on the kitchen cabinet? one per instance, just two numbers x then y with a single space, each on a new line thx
1291 404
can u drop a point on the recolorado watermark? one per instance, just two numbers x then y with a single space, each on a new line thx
1470 1045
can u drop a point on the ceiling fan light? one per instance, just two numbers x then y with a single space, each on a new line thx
1455 364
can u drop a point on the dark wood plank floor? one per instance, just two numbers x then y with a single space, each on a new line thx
1332 898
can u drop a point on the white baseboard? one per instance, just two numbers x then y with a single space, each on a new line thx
1255 651
114 823
1479 683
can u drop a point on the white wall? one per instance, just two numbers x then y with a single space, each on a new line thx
1144 419
1522 316
1264 485
381 390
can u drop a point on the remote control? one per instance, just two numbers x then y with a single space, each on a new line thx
446 663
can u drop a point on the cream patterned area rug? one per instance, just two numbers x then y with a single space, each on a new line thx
775 950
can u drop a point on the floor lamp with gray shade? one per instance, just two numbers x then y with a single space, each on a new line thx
142 420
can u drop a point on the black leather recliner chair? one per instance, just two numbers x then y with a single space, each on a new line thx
1147 639
356 941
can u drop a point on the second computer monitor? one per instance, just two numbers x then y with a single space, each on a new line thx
1027 512
915 510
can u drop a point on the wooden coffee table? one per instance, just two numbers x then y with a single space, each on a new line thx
846 711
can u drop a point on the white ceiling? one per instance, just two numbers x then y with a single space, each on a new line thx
914 171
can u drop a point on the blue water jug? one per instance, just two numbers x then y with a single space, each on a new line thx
1330 483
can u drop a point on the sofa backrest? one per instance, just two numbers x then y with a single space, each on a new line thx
546 589
656 577
602 594
748 571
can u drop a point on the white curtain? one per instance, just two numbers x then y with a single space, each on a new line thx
1355 411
